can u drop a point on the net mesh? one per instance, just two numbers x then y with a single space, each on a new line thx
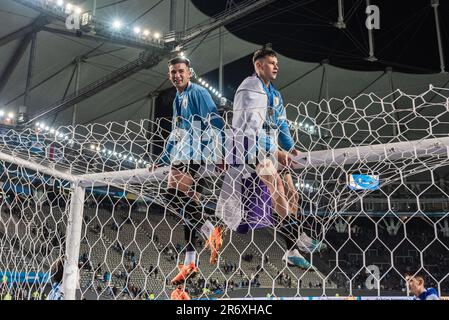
360 240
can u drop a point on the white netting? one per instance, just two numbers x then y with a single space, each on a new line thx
132 233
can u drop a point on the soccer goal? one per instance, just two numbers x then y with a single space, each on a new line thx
372 185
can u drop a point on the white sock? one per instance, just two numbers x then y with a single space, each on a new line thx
190 257
207 229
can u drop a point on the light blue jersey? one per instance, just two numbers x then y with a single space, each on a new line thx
276 118
55 293
429 294
194 111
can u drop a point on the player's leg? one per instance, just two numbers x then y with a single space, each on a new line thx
303 242
269 175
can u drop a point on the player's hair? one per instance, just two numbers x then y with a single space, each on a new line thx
57 271
266 51
416 276
179 60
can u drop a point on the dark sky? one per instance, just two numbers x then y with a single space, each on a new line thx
304 30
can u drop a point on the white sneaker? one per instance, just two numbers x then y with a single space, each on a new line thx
294 258
309 245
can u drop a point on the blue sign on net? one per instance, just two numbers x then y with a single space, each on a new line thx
24 277
363 182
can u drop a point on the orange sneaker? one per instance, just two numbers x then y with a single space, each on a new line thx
179 294
185 272
215 243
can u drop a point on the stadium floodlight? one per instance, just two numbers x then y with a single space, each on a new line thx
2 113
11 115
69 7
157 35
37 124
117 24
92 146
78 10
137 30
146 32
60 3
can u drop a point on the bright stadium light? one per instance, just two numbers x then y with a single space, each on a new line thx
69 7
92 146
11 115
78 10
2 113
146 32
157 35
137 30
60 3
117 24
37 124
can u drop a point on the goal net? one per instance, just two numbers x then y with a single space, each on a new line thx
369 195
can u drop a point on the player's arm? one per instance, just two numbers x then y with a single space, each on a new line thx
286 141
164 158
208 110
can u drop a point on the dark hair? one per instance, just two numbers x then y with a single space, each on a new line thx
266 51
416 275
179 60
57 271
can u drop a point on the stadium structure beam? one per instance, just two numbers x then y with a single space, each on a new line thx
123 41
14 61
147 59
372 56
35 26
172 26
340 24
227 17
435 4
102 29
30 70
